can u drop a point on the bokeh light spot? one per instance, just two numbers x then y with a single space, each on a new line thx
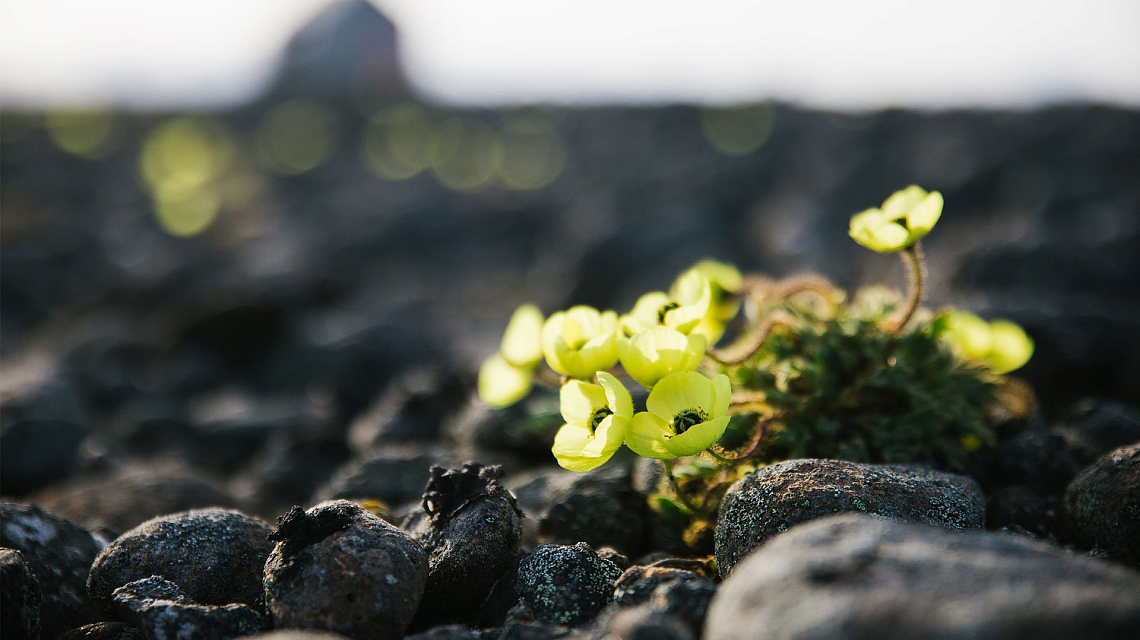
396 141
533 153
87 134
187 213
465 154
297 136
739 130
184 154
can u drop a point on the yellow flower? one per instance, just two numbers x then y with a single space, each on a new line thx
501 383
689 303
655 353
580 341
1001 345
905 217
724 280
597 416
686 414
522 341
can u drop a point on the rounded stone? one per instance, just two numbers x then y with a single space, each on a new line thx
1103 504
215 556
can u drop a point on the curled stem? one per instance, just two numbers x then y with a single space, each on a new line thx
912 258
762 423
548 378
676 489
747 346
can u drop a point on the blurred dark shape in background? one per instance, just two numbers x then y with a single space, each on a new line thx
238 282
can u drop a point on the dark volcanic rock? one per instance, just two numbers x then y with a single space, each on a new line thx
854 576
554 583
104 631
1036 458
1097 428
340 568
34 453
19 597
640 623
1103 504
783 495
410 410
297 634
215 556
124 498
682 595
395 475
1019 509
470 527
163 612
452 632
59 554
600 508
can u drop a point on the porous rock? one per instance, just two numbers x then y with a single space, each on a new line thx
59 553
215 556
471 528
1103 504
680 594
164 612
19 597
561 584
340 568
777 497
856 576
639 623
104 631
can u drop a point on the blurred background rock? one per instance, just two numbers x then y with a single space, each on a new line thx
233 288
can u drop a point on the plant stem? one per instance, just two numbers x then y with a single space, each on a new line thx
676 489
912 258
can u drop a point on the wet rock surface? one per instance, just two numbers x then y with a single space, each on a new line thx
163 612
471 527
214 556
19 597
778 497
340 568
120 499
856 576
59 554
1103 505
560 584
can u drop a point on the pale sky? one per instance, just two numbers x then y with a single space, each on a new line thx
824 53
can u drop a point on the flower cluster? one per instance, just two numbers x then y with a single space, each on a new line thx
659 344
823 376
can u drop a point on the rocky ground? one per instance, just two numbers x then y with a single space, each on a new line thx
235 433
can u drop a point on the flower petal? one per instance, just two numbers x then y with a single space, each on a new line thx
697 438
922 218
522 341
579 400
569 443
722 395
679 392
900 202
1011 347
607 437
551 333
647 435
502 384
617 396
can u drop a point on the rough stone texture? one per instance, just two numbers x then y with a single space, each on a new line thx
599 508
1103 504
297 634
566 585
1020 509
451 632
19 597
639 623
1036 458
854 576
780 496
104 631
340 568
59 553
471 528
682 595
1098 427
124 498
163 612
215 556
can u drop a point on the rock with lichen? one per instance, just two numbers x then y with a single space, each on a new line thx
59 554
215 556
19 597
778 497
678 593
471 527
164 612
1103 504
561 584
340 568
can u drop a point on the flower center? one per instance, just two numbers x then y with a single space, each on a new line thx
688 418
664 310
599 415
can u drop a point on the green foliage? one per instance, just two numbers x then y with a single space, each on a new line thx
842 387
